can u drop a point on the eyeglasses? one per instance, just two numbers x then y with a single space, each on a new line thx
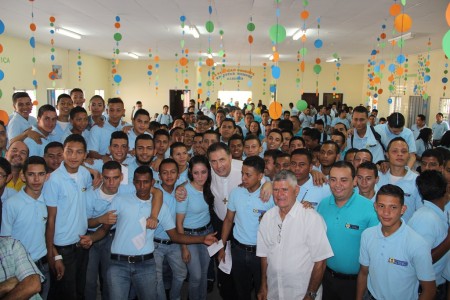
3 176
280 227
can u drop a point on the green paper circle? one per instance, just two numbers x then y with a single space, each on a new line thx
117 36
317 69
1 93
117 51
303 51
209 26
297 80
250 26
221 53
208 83
221 32
277 33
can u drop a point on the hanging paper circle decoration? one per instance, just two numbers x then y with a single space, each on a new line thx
35 103
183 61
276 72
277 33
4 117
250 39
426 78
395 9
318 43
301 105
402 23
52 75
390 101
273 89
117 36
249 83
447 15
401 59
304 15
117 78
317 69
251 26
2 27
446 43
248 107
209 26
32 42
275 110
182 18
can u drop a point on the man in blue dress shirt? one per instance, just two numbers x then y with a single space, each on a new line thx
21 122
393 257
45 125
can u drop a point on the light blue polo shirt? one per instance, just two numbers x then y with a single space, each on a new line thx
249 209
8 192
68 132
438 129
69 196
387 136
35 148
100 137
58 132
18 124
339 120
413 200
183 177
97 203
25 219
132 138
131 211
430 222
369 142
133 165
396 263
313 194
171 203
194 208
344 228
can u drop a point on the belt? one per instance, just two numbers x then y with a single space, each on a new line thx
131 259
342 276
68 247
248 248
165 242
42 260
200 229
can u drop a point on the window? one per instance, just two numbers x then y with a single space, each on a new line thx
32 94
232 96
100 93
396 105
444 108
53 94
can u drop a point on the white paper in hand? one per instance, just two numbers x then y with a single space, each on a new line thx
214 248
226 266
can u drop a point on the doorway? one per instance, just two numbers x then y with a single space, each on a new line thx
311 98
176 103
330 98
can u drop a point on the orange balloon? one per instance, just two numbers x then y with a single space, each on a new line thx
150 67
402 23
209 62
275 110
52 19
4 117
33 27
395 9
276 56
156 58
250 39
391 78
183 61
186 51
304 14
35 103
376 79
447 14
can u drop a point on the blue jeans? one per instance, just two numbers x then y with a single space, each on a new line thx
99 256
172 253
45 285
141 275
246 272
198 268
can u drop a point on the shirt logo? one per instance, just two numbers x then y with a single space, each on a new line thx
397 262
407 195
351 226
84 189
258 211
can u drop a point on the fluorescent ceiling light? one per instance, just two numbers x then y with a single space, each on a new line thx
271 57
133 55
194 31
406 36
333 59
299 33
68 33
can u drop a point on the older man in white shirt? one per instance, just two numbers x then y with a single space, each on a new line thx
292 244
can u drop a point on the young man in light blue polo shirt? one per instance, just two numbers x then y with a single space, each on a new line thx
431 222
245 209
64 104
400 175
21 120
46 122
65 195
394 258
24 216
347 214
141 122
132 262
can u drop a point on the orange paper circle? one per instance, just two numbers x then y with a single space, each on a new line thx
395 9
304 14
183 61
199 91
399 71
447 14
402 23
156 58
209 62
186 81
33 27
52 75
250 39
4 117
317 60
1 48
35 103
117 25
275 110
276 56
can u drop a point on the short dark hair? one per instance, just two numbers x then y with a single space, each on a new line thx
112 165
421 117
305 152
143 170
272 153
276 130
34 160
116 100
235 137
53 145
286 124
118 135
361 109
255 162
251 137
396 120
5 165
366 151
336 146
176 145
431 185
297 138
173 130
313 133
141 111
369 166
18 95
76 138
392 190
434 153
209 131
44 108
76 90
396 139
340 134
351 151
216 147
344 165
167 161
229 120
161 132
340 123
76 110
97 97
62 96
144 137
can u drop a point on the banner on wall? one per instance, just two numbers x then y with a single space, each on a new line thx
234 74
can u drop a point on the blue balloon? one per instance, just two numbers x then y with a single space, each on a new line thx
427 78
276 72
273 89
32 42
376 68
318 43
391 68
374 52
117 78
2 27
149 73
401 59
2 75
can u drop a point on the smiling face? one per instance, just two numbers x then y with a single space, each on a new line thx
199 175
221 162
168 173
144 151
389 210
236 149
23 106
78 99
47 122
74 155
64 106
301 167
97 106
341 184
119 149
115 112
366 180
252 148
54 157
274 141
79 122
284 194
141 123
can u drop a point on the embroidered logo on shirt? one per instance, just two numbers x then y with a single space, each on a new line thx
397 262
258 211
84 189
351 226
407 195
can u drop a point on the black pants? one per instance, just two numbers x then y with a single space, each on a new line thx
71 286
224 281
338 289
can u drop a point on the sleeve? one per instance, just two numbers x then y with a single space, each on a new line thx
421 258
373 218
13 129
410 141
317 240
8 217
364 258
165 219
23 262
422 226
182 206
232 201
51 192
93 142
420 148
158 118
262 247
90 199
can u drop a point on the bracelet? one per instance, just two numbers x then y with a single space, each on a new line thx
58 257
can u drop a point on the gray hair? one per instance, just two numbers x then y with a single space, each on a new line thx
286 175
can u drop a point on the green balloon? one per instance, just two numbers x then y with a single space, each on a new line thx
209 26
117 36
301 105
317 69
117 51
250 26
403 2
277 33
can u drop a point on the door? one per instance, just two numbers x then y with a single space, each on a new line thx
311 98
176 103
416 107
330 98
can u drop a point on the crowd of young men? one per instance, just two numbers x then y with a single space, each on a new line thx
313 206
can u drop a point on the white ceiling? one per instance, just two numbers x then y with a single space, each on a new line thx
348 27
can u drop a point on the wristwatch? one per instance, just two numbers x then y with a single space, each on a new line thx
313 295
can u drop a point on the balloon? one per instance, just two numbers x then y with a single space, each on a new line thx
447 16
301 105
4 117
304 15
427 78
209 26
250 26
446 43
276 72
117 78
401 59
275 110
277 33
402 23
209 62
2 27
317 69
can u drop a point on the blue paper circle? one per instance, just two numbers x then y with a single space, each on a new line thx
338 64
208 93
117 78
79 63
444 80
35 82
273 89
276 72
156 65
374 52
182 18
376 68
318 43
390 101
2 75
117 19
52 31
401 59
427 78
2 27
32 42
249 83
149 73
391 68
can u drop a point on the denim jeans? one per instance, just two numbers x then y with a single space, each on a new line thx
198 268
141 275
172 253
99 256
45 285
246 272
